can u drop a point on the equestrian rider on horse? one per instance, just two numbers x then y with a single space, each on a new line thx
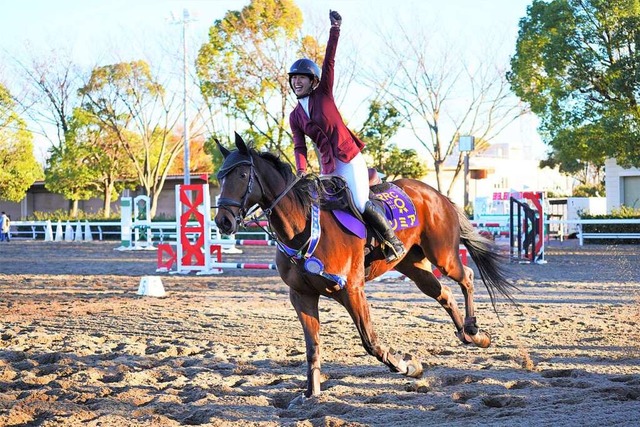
317 117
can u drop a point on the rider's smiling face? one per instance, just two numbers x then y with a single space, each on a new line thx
301 84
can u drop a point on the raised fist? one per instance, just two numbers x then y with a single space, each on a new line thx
335 18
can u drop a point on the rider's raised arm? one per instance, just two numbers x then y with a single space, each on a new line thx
326 82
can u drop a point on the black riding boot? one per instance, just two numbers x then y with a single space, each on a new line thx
378 221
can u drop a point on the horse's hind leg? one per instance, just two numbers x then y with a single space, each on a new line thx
416 267
464 276
354 300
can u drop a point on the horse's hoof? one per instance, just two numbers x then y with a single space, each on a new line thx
298 401
482 339
464 338
414 367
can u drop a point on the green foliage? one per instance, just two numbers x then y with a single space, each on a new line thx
63 215
125 114
18 167
623 212
68 175
577 66
243 66
554 195
589 190
382 123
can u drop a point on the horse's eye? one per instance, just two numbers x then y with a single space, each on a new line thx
243 175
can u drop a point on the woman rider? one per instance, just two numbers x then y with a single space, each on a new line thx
317 117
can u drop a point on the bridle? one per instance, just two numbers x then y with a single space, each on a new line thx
227 203
305 254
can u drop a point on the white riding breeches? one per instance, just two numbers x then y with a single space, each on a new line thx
357 176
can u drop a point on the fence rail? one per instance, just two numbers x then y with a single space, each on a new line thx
165 232
161 232
597 235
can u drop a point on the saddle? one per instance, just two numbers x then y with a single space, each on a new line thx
398 207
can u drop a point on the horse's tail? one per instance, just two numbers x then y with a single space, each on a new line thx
487 259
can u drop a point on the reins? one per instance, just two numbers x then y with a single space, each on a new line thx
243 212
304 254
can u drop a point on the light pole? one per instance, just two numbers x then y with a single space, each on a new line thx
466 145
186 19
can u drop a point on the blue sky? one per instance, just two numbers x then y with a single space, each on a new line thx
95 31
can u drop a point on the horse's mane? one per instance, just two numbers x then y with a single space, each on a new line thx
305 190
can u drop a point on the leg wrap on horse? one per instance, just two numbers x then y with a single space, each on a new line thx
394 362
378 221
470 326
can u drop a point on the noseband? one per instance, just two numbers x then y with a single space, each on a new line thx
227 203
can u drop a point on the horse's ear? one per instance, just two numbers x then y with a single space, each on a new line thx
242 147
223 150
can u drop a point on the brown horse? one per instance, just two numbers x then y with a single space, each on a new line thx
248 178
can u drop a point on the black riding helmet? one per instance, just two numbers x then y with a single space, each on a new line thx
305 67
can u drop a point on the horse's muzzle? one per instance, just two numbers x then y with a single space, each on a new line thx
225 224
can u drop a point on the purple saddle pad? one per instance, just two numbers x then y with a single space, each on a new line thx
399 210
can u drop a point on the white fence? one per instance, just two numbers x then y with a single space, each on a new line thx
165 232
564 225
161 232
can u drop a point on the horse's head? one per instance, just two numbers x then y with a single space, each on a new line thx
239 187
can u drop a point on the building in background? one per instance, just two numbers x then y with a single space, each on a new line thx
622 186
503 168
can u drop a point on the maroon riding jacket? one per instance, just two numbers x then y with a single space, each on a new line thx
325 127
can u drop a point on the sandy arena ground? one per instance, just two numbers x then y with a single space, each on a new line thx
79 347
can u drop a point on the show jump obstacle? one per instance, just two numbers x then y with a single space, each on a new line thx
195 251
135 226
526 225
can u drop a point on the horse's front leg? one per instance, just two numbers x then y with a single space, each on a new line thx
306 306
354 300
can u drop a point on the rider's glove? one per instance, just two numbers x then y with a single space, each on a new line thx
335 18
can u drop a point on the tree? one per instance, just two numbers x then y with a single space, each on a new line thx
128 101
51 93
243 67
442 96
577 65
381 125
68 174
49 99
18 167
102 154
90 163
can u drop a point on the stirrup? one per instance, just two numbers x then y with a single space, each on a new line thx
394 253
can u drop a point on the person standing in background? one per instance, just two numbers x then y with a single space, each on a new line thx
6 228
3 216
